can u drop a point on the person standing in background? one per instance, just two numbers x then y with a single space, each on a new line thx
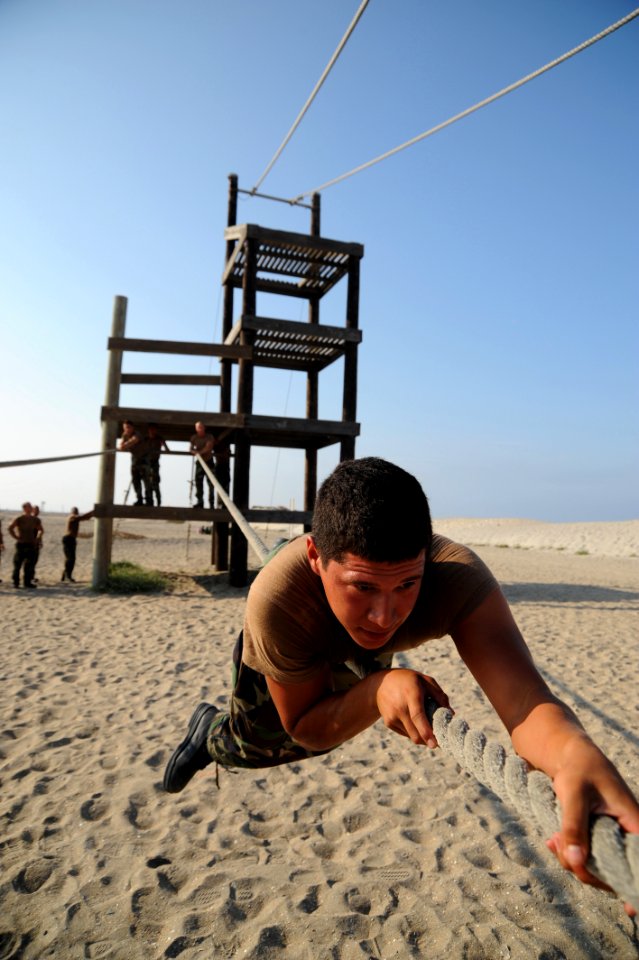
39 544
26 529
202 443
70 541
134 443
155 445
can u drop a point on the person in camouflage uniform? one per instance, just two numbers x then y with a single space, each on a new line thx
155 445
134 443
251 734
27 531
372 580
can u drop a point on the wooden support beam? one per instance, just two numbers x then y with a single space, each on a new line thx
184 347
126 511
299 425
178 417
264 515
186 379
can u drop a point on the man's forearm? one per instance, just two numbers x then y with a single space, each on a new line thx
546 733
339 716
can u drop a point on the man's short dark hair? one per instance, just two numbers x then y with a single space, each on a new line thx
372 509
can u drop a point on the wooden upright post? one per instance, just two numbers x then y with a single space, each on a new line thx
312 384
103 526
349 406
221 530
238 571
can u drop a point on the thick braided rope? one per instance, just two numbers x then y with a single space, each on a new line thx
614 855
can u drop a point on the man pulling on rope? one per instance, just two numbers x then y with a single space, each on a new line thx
313 665
202 442
70 541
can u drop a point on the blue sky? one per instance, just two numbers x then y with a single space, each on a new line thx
499 283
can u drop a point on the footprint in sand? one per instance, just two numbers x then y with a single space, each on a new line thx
355 821
12 944
135 813
34 875
156 759
357 901
95 808
310 903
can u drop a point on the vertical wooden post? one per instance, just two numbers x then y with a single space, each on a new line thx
227 315
103 526
312 382
220 545
238 571
349 406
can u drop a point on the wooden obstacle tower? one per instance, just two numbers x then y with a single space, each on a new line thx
258 261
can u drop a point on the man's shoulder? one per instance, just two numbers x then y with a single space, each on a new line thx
444 550
286 583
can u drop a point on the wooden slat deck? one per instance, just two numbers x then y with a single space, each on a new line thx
290 345
317 262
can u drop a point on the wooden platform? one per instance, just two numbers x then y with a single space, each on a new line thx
129 512
291 345
317 263
289 432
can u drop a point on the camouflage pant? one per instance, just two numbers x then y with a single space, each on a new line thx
140 478
252 735
154 480
200 477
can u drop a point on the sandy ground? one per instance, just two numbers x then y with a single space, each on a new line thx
379 850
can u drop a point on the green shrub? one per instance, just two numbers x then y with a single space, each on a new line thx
125 577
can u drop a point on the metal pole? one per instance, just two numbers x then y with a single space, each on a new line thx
103 526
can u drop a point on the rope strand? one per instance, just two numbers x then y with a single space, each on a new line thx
477 106
315 91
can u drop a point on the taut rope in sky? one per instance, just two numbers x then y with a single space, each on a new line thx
314 93
475 107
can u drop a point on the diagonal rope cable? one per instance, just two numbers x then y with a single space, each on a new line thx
477 106
314 93
260 549
73 456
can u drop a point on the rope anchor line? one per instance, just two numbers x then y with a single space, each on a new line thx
614 855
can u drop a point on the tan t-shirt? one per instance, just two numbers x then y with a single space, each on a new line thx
29 528
290 632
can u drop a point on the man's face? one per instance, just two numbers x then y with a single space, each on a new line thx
200 429
128 430
371 600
